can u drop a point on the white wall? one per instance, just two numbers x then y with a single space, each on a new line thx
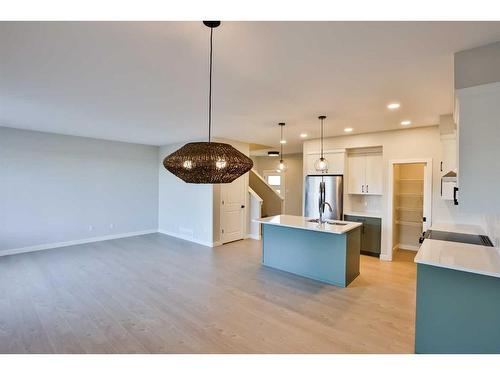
412 143
293 179
185 210
477 93
54 187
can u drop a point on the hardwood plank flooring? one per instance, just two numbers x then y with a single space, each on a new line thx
158 294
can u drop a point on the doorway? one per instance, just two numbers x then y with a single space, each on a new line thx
233 210
409 203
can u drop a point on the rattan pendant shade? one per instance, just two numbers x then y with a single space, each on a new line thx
208 162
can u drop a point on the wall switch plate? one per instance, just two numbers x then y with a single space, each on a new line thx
91 228
111 226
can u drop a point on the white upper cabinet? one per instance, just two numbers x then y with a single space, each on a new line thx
365 173
335 159
356 174
374 172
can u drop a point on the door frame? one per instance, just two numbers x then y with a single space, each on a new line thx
427 209
244 215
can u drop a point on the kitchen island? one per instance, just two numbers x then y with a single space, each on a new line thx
458 296
327 252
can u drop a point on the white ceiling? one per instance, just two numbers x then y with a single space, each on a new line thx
147 82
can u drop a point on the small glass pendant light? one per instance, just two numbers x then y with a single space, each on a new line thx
321 165
282 167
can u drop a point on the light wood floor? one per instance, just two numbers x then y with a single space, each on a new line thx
157 294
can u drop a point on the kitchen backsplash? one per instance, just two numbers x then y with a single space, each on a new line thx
364 203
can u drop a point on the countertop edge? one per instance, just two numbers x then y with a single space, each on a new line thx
376 215
352 226
430 256
458 268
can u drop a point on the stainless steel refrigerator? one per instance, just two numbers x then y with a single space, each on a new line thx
334 185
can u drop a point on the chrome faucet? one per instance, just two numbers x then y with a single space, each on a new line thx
323 202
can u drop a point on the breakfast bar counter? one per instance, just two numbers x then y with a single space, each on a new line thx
327 252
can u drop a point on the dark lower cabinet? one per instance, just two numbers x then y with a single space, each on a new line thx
371 233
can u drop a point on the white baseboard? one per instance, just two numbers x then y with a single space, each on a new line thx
188 238
407 247
54 245
253 236
385 257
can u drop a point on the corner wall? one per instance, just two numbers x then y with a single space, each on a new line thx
184 210
59 190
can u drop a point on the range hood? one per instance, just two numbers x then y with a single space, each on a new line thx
449 187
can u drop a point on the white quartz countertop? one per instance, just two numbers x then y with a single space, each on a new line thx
458 228
300 222
364 214
483 260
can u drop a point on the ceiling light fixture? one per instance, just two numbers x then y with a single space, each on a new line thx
303 135
283 142
282 167
208 162
393 105
406 122
348 130
321 164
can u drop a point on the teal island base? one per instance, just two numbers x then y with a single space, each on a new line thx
457 312
326 257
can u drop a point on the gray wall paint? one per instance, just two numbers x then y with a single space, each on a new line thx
185 210
477 66
53 187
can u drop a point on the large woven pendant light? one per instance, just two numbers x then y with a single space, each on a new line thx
321 164
208 162
282 167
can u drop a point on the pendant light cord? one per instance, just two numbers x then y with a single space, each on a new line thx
210 89
281 143
322 138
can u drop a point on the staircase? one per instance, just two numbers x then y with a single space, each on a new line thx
272 202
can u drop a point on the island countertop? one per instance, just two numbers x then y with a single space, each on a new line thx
300 222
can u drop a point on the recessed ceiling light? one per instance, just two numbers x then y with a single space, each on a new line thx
393 105
348 130
406 122
303 135
283 141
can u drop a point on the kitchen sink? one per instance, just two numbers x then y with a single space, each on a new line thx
329 222
335 223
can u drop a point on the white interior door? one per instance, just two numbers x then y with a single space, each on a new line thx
233 210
